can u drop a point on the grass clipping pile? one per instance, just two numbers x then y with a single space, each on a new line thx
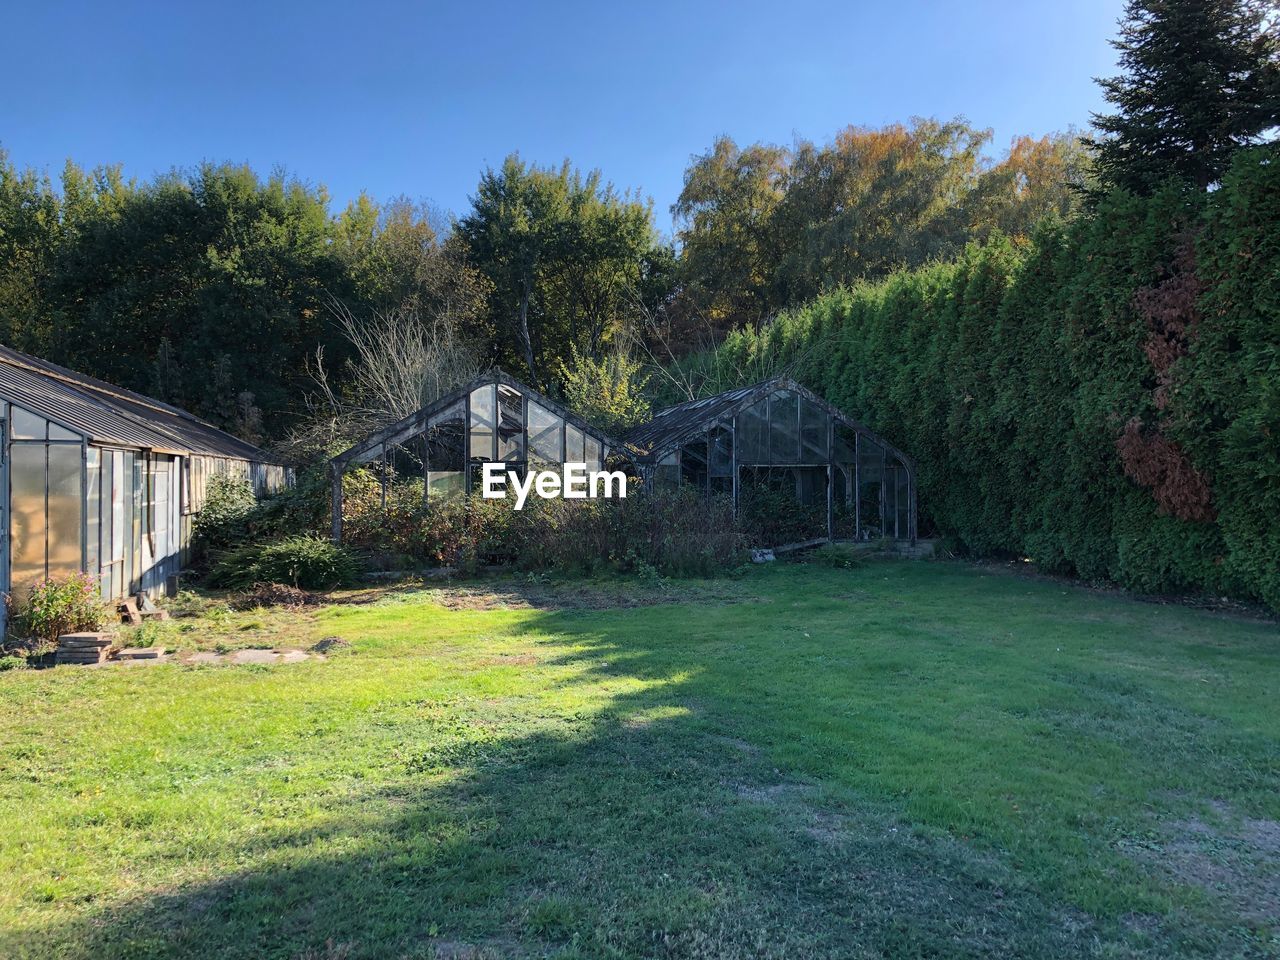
274 595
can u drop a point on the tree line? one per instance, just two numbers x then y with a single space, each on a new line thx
225 292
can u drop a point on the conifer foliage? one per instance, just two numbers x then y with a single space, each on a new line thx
1200 81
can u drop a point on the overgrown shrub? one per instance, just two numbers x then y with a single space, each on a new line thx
302 508
224 519
607 390
232 516
70 604
312 563
773 517
676 533
1080 400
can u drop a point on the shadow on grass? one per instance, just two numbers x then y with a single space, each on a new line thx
650 829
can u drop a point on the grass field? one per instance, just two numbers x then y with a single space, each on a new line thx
901 760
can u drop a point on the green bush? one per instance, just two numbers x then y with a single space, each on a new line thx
1104 400
312 563
302 508
70 604
224 519
842 556
232 516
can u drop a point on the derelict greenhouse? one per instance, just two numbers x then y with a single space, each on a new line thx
774 438
493 419
777 436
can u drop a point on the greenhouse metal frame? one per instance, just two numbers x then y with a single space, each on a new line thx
493 419
779 432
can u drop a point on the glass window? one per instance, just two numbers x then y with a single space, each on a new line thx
870 488
26 425
444 484
445 440
93 510
544 434
721 464
890 494
846 444
117 514
693 463
574 444
65 506
26 515
667 471
510 424
870 458
484 424
59 433
813 432
591 452
132 495
752 433
162 498
784 427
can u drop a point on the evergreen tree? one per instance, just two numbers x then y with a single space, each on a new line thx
1200 81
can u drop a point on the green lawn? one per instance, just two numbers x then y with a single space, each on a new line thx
901 760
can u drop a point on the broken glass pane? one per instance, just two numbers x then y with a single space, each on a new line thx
752 435
693 463
510 424
445 439
784 427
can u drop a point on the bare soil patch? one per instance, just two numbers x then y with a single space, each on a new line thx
1235 860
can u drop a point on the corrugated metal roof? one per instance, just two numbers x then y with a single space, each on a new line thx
109 414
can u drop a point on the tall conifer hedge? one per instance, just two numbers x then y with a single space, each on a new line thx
1105 400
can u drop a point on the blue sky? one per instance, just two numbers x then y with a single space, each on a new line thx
416 99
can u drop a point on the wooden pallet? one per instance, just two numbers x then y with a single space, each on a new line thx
140 653
131 614
83 648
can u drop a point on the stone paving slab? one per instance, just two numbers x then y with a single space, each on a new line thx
270 657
